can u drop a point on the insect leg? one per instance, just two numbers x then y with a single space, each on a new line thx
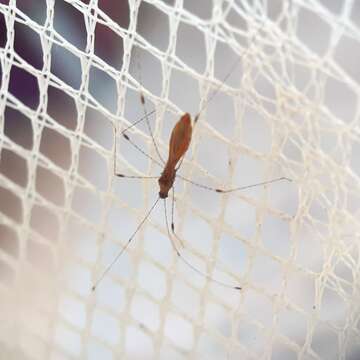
116 258
223 191
172 216
138 148
150 129
186 262
142 99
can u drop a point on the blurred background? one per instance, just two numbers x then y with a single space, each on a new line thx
277 87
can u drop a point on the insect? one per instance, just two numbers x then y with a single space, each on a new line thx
180 140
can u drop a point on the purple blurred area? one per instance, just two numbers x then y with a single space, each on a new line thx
23 41
70 24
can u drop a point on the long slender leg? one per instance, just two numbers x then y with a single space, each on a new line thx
115 154
224 191
137 122
150 130
172 215
213 94
127 137
173 208
195 269
217 89
116 258
142 98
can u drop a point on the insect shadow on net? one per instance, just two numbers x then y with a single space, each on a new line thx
180 140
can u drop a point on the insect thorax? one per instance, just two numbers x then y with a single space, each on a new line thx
166 181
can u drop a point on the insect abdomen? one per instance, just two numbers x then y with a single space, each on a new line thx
179 143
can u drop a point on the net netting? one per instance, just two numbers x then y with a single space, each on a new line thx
277 83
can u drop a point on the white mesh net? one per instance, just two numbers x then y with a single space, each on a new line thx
70 70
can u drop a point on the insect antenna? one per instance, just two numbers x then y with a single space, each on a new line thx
186 262
116 258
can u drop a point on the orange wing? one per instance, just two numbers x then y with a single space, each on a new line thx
180 139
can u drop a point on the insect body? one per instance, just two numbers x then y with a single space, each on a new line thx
179 143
